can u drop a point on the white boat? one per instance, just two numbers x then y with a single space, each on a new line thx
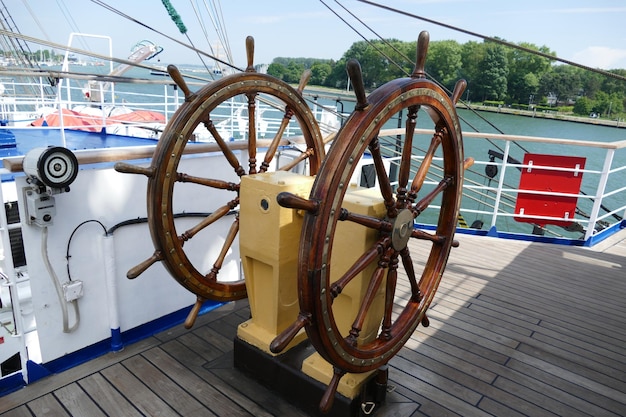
70 233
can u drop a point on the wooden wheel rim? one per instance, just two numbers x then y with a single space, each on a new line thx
167 157
329 190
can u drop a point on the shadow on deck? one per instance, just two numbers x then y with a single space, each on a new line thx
517 328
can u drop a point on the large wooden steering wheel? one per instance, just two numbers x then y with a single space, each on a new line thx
408 272
164 176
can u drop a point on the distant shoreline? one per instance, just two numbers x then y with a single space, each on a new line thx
332 93
548 115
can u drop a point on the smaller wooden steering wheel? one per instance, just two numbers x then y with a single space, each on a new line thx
164 176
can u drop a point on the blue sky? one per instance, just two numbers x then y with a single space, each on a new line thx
592 33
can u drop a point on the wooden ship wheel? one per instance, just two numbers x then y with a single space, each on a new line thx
164 174
407 262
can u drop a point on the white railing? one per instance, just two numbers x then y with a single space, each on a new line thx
600 202
19 110
602 196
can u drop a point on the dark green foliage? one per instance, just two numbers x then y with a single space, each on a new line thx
512 77
492 74
583 106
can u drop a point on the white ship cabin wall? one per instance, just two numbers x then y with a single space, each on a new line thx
108 197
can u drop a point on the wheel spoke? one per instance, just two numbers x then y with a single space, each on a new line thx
210 219
368 298
390 292
228 153
420 176
421 205
383 178
422 235
228 242
252 132
407 151
407 263
303 156
271 151
209 182
269 155
367 221
363 262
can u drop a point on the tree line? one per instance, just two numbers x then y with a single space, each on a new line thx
496 74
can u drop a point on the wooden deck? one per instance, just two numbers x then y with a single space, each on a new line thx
517 329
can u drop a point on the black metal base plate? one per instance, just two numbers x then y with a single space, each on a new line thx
282 374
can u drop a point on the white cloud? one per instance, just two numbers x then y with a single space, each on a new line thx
601 57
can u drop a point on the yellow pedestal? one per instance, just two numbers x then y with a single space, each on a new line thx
268 238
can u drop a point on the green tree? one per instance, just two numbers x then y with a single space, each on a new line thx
613 85
591 83
294 72
608 105
444 62
583 106
472 54
491 82
563 82
525 71
277 70
380 61
320 72
373 63
402 55
338 77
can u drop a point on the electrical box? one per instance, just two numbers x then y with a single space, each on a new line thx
72 290
40 207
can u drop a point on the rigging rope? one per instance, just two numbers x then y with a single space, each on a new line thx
193 48
206 35
358 33
182 29
222 32
214 11
498 41
528 50
385 41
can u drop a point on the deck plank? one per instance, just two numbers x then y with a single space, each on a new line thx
77 402
204 392
517 329
108 398
140 395
47 406
169 391
51 383
21 411
188 360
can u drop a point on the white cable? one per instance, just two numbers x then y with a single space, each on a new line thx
57 285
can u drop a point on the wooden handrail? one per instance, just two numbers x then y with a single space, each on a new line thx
93 156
